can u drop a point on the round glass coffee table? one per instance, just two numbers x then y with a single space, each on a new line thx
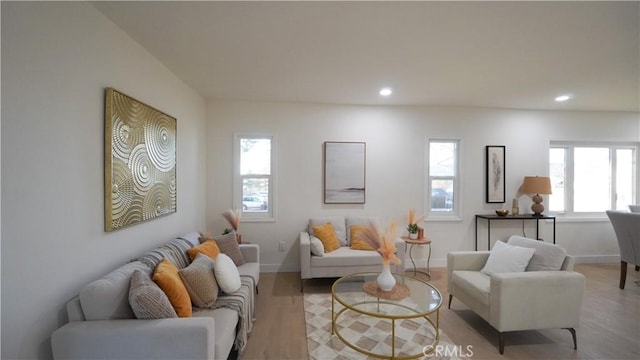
379 324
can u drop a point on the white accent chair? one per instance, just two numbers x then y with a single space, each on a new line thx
535 299
627 228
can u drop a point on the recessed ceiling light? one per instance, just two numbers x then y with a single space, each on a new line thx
385 91
562 98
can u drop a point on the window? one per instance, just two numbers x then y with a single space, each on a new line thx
254 180
592 178
442 185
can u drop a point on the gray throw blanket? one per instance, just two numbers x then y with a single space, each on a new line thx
243 302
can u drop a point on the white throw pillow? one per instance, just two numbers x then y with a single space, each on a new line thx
226 273
506 258
317 248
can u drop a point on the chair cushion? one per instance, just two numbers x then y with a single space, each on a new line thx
356 242
327 235
505 258
546 256
474 283
317 248
347 256
338 223
358 221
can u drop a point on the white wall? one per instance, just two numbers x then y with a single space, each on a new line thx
395 138
57 58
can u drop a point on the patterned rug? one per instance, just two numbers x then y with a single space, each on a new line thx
372 334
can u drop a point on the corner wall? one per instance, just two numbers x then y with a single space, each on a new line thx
396 138
57 59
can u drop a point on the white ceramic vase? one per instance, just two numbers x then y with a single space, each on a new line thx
385 280
413 236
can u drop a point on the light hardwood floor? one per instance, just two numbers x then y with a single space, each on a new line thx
609 328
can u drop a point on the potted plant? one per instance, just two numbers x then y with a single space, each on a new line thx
413 231
413 227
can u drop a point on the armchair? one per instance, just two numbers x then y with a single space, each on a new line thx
627 228
536 299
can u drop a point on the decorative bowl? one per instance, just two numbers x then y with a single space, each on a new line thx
502 212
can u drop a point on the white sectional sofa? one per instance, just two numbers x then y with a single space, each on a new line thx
344 260
102 323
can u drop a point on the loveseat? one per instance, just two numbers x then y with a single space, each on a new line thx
102 323
525 284
315 263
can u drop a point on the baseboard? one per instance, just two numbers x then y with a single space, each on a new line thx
596 259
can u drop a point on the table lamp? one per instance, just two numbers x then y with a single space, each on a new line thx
536 185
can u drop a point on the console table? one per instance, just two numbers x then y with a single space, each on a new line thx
523 217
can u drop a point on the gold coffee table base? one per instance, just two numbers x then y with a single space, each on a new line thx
392 310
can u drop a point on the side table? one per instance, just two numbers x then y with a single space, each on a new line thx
419 242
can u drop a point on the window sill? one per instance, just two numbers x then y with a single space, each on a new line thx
581 218
443 218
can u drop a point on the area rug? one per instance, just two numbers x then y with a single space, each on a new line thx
412 335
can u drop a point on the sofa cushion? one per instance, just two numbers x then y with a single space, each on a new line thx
338 223
208 247
225 329
546 256
227 274
327 235
356 242
166 276
347 256
146 298
229 245
316 246
175 250
108 298
474 283
358 221
507 258
200 282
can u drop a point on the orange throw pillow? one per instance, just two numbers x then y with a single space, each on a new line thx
167 277
328 237
209 248
356 242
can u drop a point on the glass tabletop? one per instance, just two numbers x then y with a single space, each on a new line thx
423 298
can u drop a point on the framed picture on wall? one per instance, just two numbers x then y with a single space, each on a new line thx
139 162
495 173
344 172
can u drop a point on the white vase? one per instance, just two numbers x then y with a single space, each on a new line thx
386 281
413 236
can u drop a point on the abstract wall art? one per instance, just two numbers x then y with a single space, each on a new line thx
344 172
495 165
140 162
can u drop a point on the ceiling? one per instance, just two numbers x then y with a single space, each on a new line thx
518 55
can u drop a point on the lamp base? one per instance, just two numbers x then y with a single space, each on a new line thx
537 206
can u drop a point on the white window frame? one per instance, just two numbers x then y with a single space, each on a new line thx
454 215
569 147
270 214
